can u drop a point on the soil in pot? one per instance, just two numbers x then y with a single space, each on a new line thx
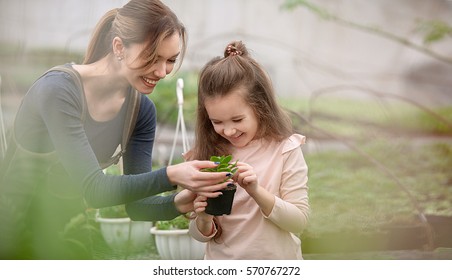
221 205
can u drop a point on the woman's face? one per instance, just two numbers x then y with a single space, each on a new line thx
144 80
232 117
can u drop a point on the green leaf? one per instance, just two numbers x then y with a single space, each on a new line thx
226 159
434 30
180 222
215 159
224 169
224 166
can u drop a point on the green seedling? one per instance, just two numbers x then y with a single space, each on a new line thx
222 205
223 166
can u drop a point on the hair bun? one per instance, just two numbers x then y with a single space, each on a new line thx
235 48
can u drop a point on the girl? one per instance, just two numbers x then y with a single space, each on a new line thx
69 126
238 114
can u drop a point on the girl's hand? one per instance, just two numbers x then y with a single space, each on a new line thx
199 205
204 221
246 177
189 176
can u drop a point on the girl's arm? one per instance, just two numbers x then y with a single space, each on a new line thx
202 228
289 211
204 221
247 179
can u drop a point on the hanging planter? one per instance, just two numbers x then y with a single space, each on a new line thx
173 241
171 237
177 244
120 232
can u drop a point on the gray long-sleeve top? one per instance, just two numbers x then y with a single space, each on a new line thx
49 119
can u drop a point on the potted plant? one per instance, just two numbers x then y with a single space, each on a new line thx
173 241
120 232
222 204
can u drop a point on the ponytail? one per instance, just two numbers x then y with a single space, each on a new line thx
99 45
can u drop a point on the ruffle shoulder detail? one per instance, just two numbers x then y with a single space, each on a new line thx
293 142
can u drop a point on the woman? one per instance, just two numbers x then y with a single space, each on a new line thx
69 126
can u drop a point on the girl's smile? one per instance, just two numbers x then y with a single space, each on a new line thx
232 117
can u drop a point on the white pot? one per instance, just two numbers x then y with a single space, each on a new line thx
177 244
116 233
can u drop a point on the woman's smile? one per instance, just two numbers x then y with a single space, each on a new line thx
149 82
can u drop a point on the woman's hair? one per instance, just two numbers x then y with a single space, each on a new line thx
139 21
221 75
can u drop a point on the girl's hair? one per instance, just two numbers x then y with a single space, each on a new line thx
139 21
220 76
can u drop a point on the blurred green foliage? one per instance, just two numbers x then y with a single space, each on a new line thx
348 192
165 98
434 30
180 222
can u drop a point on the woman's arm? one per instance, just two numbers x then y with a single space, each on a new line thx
57 102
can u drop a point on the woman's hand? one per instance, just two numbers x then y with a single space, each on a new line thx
189 176
184 201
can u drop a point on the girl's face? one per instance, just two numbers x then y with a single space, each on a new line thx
144 80
232 117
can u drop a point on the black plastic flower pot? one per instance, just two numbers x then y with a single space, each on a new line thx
222 204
